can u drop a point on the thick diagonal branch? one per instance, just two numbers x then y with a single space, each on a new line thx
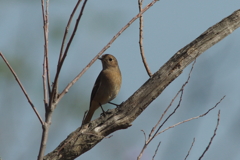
83 139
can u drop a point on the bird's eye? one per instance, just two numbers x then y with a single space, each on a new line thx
110 59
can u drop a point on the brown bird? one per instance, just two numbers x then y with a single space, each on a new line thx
107 85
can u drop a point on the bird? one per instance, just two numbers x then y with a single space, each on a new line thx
106 87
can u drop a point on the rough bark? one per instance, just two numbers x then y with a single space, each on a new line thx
86 137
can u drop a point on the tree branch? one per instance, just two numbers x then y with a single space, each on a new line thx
190 119
214 134
190 149
46 80
52 94
156 151
141 39
87 136
54 99
46 73
21 86
66 31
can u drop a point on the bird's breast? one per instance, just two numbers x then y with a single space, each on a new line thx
110 85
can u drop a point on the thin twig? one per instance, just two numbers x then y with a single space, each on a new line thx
66 30
46 73
179 103
156 150
214 134
151 136
141 39
180 91
190 149
144 146
46 82
143 149
192 117
61 60
74 31
21 86
103 50
157 133
180 100
144 136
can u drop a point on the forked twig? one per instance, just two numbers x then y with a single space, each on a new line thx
153 134
156 133
66 31
62 57
21 86
204 114
165 111
51 104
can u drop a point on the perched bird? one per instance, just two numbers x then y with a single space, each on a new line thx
107 85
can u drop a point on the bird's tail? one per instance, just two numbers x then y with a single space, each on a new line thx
88 117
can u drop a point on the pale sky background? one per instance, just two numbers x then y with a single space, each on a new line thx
168 26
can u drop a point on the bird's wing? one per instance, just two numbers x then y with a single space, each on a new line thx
96 87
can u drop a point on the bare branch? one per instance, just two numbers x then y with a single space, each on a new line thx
61 59
104 49
156 151
143 149
180 91
214 134
190 149
21 86
128 111
46 82
144 146
46 73
170 115
192 117
66 30
150 136
50 106
141 39
147 142
145 138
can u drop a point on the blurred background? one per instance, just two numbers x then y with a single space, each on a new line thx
168 26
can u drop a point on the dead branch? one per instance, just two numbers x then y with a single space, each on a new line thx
190 119
153 134
141 39
190 149
156 150
21 86
214 134
78 142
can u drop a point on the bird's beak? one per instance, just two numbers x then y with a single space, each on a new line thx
100 58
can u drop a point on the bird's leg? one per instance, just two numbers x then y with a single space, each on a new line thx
103 112
117 105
